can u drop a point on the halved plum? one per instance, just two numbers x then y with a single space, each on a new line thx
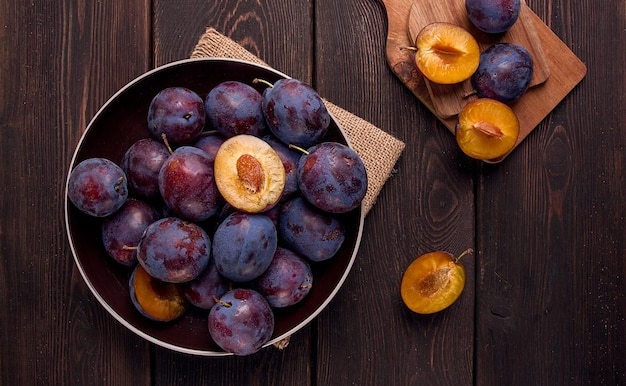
249 173
156 299
487 129
446 53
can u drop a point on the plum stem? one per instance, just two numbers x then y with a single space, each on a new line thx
129 248
263 81
208 133
220 301
296 147
465 252
167 143
119 184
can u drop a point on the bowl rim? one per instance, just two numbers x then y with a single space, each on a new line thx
91 286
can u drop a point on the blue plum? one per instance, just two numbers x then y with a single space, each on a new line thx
97 187
187 184
243 245
309 231
178 113
142 162
493 16
295 113
241 322
204 289
504 72
122 230
332 177
286 281
209 144
173 250
234 108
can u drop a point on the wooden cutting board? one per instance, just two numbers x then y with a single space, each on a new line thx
448 100
566 70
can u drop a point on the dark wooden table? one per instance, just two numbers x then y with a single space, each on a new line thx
545 301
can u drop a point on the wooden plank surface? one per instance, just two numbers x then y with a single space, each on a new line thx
561 71
59 62
545 301
436 213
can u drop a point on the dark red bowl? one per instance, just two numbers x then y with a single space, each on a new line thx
117 125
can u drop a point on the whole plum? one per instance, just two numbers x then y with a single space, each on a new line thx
295 113
243 245
234 108
309 231
187 184
493 16
204 289
173 250
178 113
286 281
209 144
97 187
122 230
142 163
241 322
504 72
332 177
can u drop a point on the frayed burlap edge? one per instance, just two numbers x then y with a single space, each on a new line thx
378 150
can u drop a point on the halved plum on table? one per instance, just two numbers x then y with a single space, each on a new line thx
486 129
446 53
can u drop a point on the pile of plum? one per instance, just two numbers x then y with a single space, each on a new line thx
225 205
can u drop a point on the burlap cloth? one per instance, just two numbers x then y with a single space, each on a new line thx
378 150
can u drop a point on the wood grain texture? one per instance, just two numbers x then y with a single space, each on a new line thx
58 65
278 33
429 211
550 303
545 301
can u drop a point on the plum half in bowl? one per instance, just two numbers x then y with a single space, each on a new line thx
121 122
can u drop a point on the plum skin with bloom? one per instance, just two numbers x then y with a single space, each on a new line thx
122 231
178 114
286 281
173 250
241 322
187 184
243 245
204 289
97 187
504 73
295 113
493 16
142 162
309 231
332 177
235 108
